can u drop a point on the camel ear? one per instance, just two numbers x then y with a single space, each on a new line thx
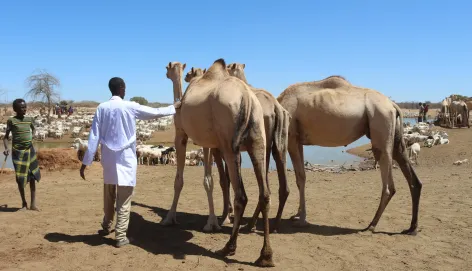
169 66
205 70
191 70
244 66
183 66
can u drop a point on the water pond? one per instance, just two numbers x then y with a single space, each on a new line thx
313 154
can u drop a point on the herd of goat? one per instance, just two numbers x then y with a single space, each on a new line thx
76 124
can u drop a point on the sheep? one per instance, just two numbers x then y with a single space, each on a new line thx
414 150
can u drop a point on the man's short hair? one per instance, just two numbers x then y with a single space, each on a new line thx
115 84
17 102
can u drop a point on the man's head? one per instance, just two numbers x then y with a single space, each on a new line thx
19 106
420 104
117 87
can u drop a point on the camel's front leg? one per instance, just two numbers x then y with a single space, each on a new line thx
212 223
180 148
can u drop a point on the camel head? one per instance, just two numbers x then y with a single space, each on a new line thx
194 72
236 70
175 70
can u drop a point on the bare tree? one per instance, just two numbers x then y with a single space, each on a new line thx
42 88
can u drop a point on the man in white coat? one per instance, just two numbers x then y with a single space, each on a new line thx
114 126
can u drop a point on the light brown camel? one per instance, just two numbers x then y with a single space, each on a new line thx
332 112
174 73
221 112
276 121
456 107
194 72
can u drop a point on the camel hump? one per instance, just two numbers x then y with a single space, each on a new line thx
217 70
333 81
220 61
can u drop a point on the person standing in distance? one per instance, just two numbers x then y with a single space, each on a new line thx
114 126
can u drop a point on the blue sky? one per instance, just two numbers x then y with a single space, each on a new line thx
409 50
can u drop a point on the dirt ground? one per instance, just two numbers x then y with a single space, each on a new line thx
63 236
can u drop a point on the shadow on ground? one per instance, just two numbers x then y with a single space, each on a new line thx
153 237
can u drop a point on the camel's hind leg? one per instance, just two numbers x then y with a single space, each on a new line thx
382 146
280 157
256 151
400 155
212 223
250 225
180 147
224 183
240 198
295 149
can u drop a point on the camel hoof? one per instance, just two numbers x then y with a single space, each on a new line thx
369 228
295 217
265 261
211 228
225 221
301 224
169 221
226 252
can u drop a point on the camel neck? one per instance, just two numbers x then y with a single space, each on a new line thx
242 77
177 89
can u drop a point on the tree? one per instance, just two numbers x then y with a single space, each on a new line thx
42 88
139 100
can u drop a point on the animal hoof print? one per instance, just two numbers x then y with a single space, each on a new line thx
265 262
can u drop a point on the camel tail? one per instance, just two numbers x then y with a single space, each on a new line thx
399 128
243 122
281 129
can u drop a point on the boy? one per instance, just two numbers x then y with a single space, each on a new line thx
23 153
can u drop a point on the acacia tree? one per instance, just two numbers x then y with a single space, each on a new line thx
42 87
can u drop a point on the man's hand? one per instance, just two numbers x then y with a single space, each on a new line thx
82 171
177 104
6 152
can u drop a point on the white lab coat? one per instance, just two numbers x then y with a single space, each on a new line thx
114 126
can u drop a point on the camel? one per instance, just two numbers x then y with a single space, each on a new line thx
220 112
276 121
194 72
332 112
456 108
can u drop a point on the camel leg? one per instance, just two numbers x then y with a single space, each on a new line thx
295 149
413 183
212 223
180 147
280 157
250 225
388 187
230 206
240 199
257 157
224 183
